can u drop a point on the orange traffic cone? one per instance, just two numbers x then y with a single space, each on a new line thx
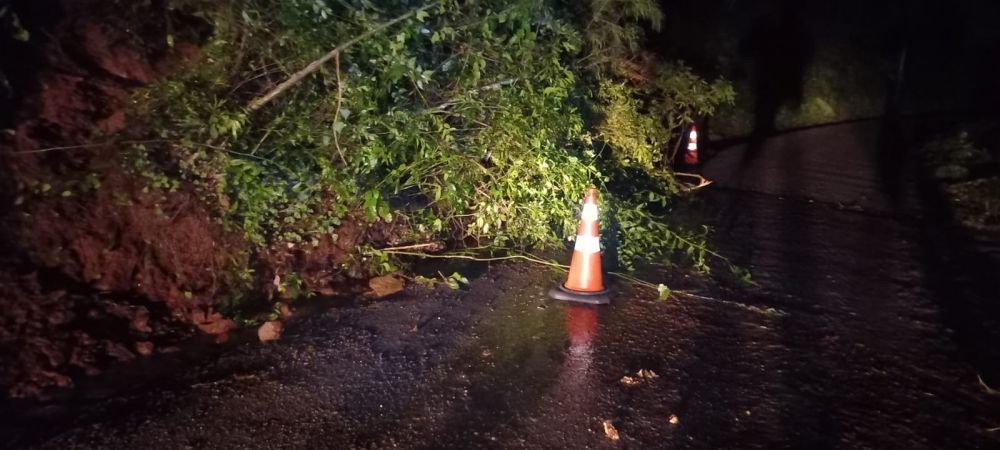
585 283
691 156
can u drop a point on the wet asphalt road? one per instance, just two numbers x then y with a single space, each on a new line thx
852 340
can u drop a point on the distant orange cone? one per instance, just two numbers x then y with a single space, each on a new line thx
691 155
585 282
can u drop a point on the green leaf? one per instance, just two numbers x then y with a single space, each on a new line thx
459 279
664 291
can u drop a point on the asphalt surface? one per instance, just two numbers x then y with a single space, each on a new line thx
858 336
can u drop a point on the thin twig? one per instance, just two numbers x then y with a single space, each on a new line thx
476 258
65 147
626 277
259 102
336 114
100 144
248 155
677 147
986 387
412 247
261 141
529 258
634 280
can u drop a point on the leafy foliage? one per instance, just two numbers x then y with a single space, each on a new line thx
613 32
951 156
475 119
641 118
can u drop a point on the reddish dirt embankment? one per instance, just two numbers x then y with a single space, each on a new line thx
90 249
97 265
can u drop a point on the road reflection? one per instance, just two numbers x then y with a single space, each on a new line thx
581 327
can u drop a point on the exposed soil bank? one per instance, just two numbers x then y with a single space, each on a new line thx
97 264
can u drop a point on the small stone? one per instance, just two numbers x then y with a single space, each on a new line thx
285 310
610 431
326 291
269 331
673 419
144 348
211 322
141 323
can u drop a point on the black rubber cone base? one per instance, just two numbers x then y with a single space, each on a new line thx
590 298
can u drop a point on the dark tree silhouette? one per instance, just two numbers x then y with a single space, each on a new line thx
779 47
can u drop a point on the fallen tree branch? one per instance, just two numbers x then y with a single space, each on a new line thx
476 258
336 113
529 258
259 102
628 278
677 147
489 87
702 181
112 142
430 245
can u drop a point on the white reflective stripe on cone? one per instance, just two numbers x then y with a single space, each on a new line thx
589 212
587 244
692 146
694 135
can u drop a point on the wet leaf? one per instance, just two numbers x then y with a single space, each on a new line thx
630 380
385 285
647 374
610 431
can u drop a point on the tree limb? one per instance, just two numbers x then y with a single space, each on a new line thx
702 181
336 114
259 102
489 87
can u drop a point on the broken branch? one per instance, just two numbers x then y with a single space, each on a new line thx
702 181
336 114
259 102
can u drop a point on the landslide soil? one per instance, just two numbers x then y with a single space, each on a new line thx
96 265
